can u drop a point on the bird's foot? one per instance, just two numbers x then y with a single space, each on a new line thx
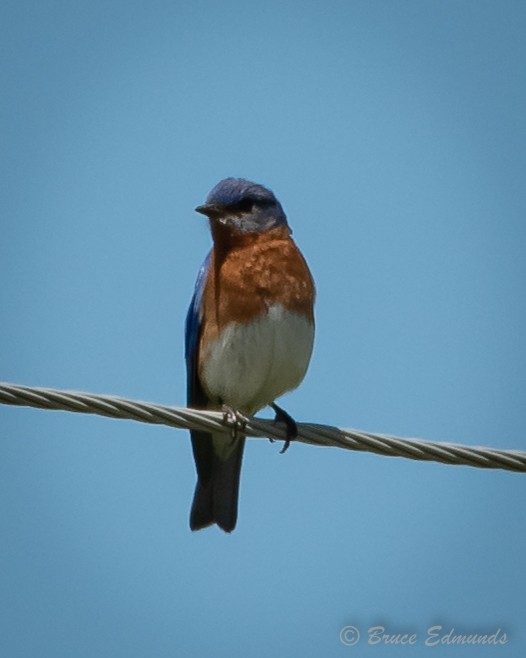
291 428
234 419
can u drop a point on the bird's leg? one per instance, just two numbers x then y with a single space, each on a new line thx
234 419
291 428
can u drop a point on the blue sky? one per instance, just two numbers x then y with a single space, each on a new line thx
394 134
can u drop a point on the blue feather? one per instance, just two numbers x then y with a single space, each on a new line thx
195 394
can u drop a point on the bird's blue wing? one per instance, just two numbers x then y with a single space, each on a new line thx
194 392
217 489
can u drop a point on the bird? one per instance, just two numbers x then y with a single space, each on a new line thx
249 334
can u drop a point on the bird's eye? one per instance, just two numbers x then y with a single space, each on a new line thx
245 205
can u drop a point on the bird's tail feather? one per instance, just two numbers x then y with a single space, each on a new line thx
216 493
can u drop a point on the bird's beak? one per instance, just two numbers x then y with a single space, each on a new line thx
210 210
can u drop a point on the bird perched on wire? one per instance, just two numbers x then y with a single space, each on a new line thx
249 333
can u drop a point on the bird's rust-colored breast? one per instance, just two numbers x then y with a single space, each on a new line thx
255 272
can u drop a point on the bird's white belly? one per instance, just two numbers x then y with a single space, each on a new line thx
250 365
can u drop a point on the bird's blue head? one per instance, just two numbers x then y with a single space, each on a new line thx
241 206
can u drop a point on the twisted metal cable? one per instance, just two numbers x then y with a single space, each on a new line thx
319 435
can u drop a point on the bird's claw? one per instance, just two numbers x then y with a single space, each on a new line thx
291 427
234 419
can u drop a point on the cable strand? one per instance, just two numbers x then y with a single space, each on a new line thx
309 433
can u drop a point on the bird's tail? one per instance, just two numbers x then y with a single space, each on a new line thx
217 489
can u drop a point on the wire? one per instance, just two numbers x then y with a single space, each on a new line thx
318 435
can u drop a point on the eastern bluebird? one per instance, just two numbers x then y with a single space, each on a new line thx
249 333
